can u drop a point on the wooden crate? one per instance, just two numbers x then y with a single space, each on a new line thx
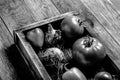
31 58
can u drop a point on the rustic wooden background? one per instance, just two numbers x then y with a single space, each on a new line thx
18 13
116 3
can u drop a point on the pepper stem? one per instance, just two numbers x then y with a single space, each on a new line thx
66 67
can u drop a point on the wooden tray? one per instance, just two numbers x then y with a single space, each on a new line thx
31 58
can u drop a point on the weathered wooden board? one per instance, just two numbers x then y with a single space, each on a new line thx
109 18
42 9
6 69
12 67
102 11
17 13
67 5
107 15
116 3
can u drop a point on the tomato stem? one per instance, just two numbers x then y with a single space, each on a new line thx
80 22
88 42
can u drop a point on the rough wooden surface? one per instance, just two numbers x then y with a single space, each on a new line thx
116 3
6 70
106 13
15 13
12 67
18 13
41 9
109 18
10 11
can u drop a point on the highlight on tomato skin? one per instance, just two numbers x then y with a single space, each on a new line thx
73 74
103 75
88 51
71 26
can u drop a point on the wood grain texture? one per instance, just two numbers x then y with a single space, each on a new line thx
99 32
116 3
67 5
108 18
107 15
6 69
42 9
18 13
15 14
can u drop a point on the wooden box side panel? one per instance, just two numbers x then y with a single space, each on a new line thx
31 58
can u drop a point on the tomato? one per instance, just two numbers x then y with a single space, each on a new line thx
71 26
36 37
73 74
88 50
103 76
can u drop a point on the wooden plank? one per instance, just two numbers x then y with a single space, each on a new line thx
42 9
107 15
18 13
12 67
108 40
107 33
67 5
15 14
116 3
6 68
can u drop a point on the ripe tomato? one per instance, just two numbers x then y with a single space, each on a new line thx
88 51
71 26
103 76
36 37
73 74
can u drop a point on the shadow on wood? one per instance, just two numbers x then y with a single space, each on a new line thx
23 72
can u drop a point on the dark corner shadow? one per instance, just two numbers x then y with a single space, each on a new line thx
23 72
